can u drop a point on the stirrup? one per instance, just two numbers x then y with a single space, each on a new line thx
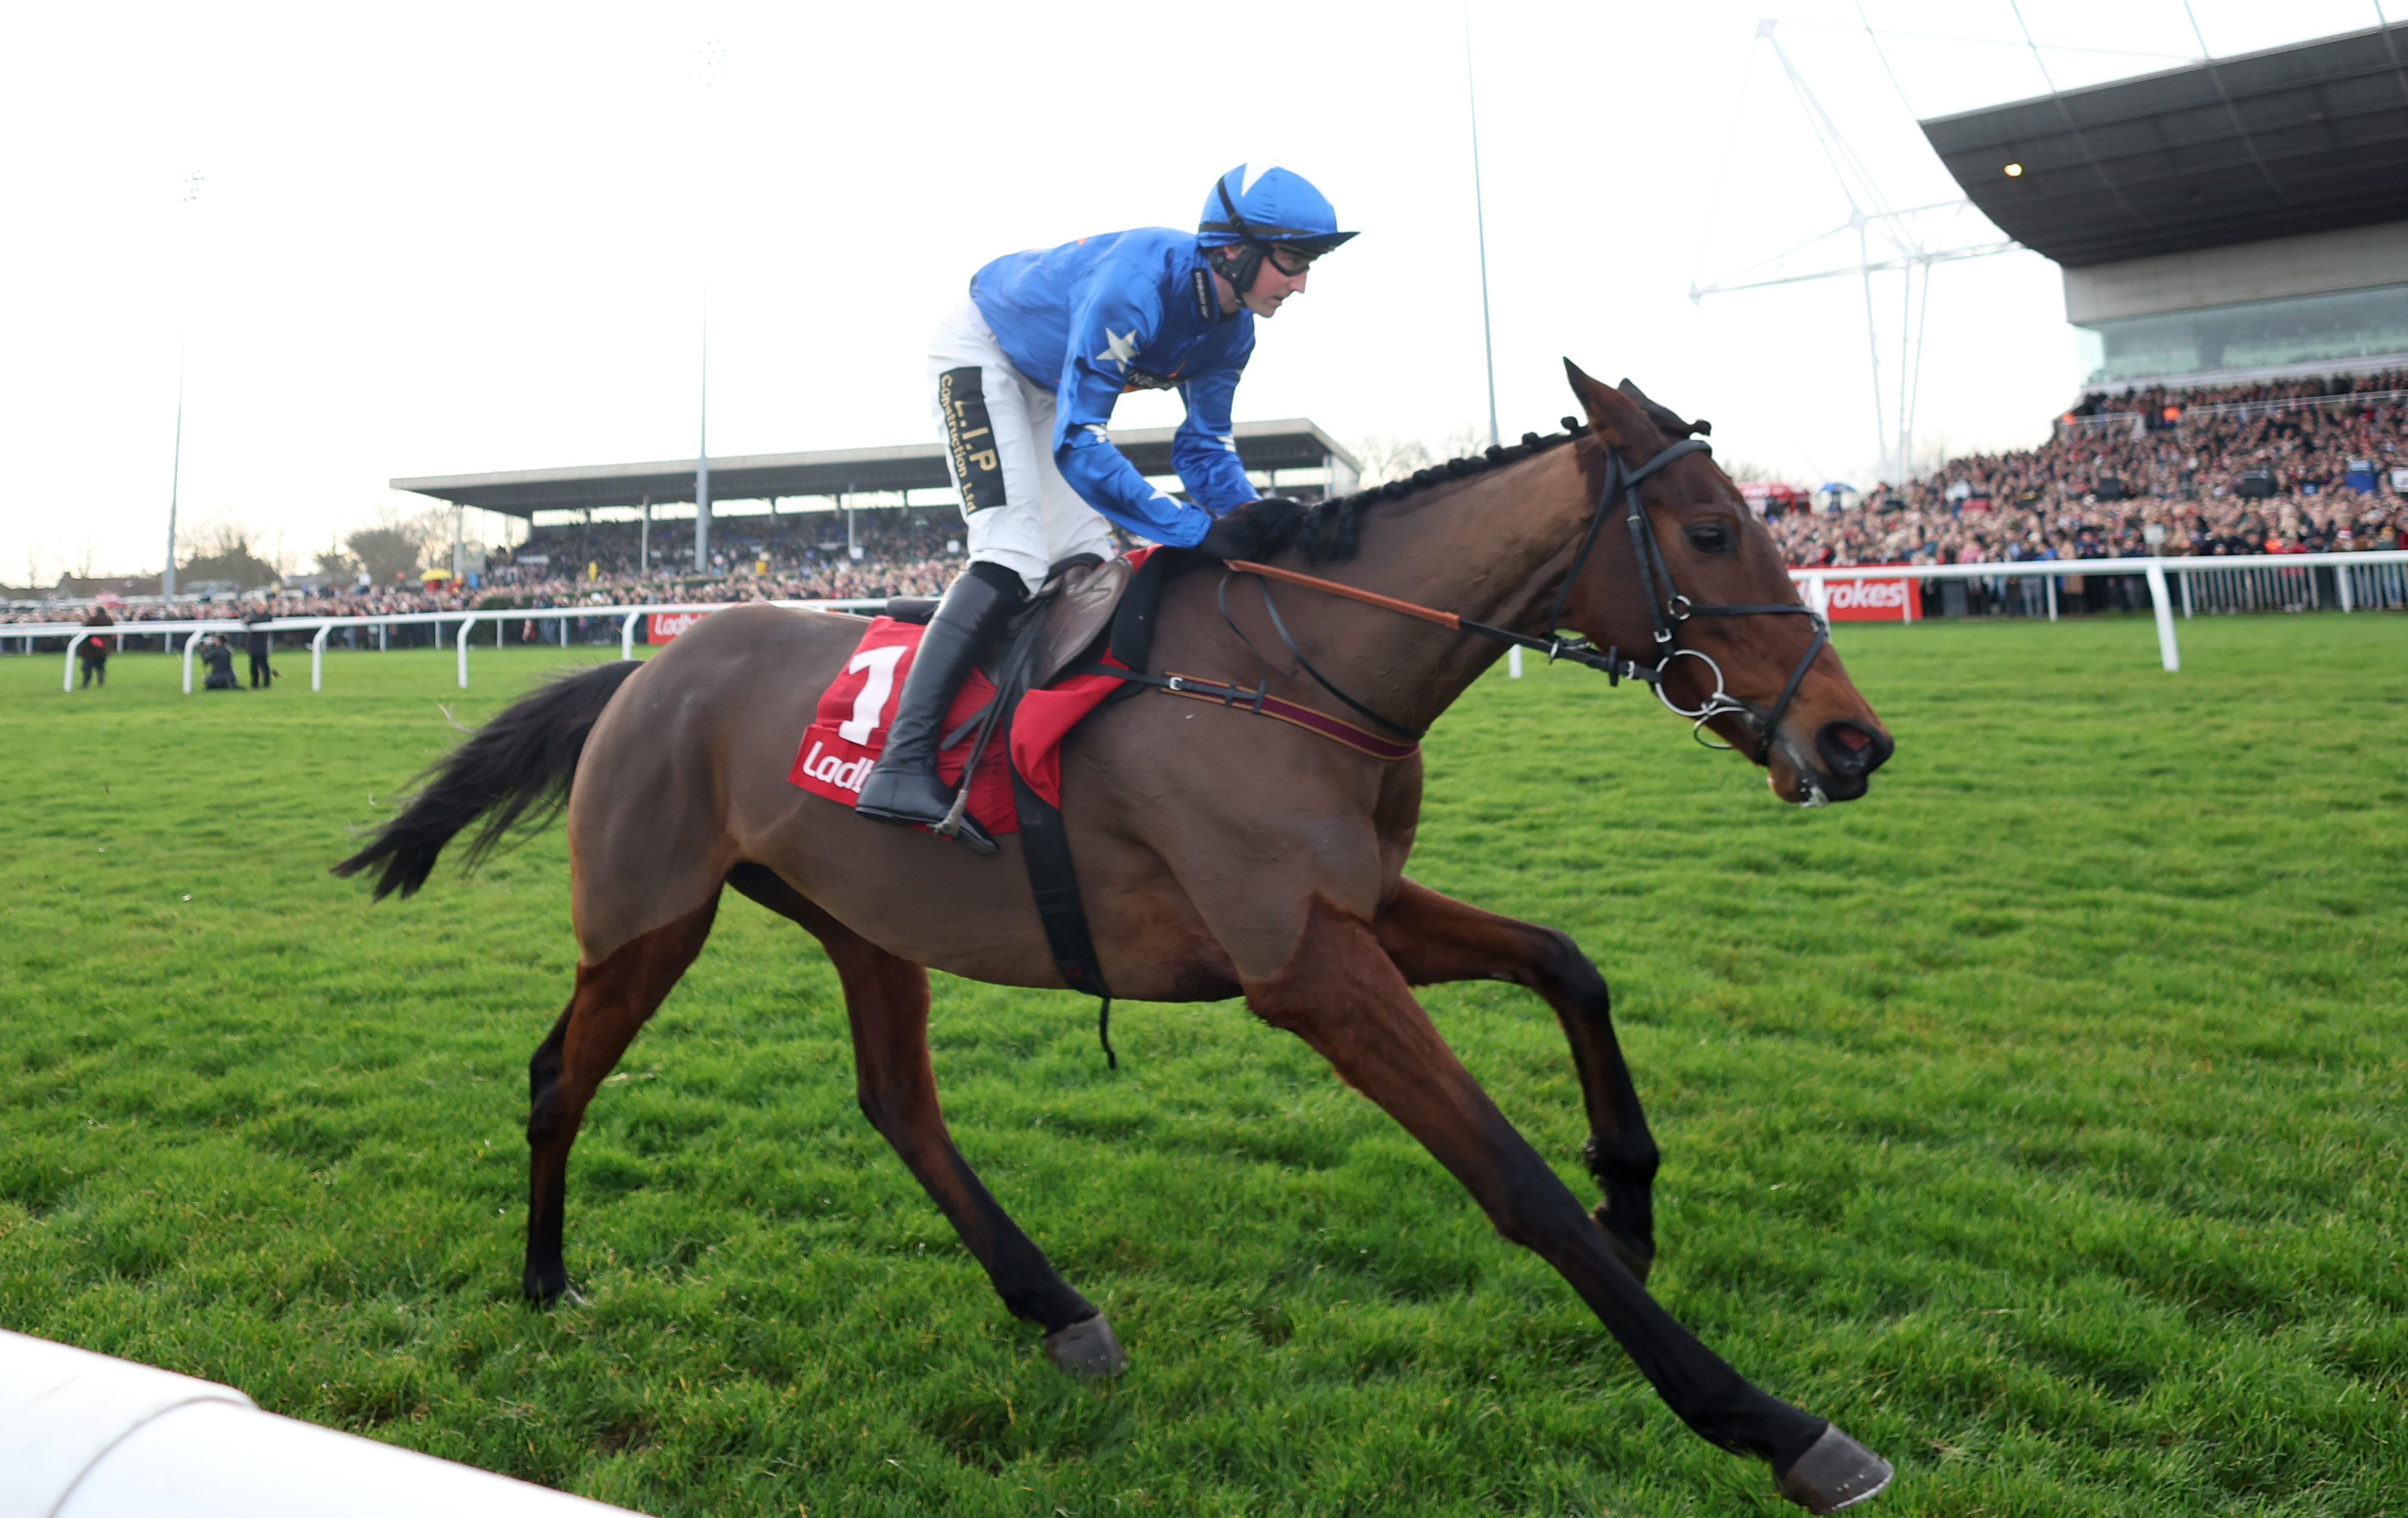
955 825
974 837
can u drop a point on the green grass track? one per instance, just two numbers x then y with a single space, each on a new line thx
2039 1118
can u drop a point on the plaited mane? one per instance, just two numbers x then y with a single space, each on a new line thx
1329 531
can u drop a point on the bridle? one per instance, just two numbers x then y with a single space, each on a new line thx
1667 610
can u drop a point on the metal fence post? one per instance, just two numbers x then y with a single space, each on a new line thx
2166 653
627 635
2341 583
66 682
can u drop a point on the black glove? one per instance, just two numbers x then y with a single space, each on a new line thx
1227 540
1240 535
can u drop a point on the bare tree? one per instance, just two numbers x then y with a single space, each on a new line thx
222 549
1385 458
387 553
392 546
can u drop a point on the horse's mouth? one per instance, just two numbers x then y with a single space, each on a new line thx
1840 767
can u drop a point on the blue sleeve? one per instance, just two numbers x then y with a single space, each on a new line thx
1205 451
1117 317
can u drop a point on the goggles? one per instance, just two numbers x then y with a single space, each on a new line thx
1289 259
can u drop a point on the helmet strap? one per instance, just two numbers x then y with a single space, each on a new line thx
1241 263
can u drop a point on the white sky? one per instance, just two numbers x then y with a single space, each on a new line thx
448 238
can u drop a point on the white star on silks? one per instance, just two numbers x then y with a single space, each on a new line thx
1119 347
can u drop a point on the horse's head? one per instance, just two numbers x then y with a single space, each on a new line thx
1701 584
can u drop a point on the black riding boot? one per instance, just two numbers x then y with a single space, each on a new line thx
903 786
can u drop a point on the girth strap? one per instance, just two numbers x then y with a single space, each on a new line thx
1045 846
1044 841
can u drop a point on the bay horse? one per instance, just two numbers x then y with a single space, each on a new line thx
1219 854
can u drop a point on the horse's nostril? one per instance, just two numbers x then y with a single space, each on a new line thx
1849 750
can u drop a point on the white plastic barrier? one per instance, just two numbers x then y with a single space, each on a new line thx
199 631
88 1435
75 632
2378 569
634 614
2374 579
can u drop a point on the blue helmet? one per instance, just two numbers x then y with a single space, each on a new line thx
1253 207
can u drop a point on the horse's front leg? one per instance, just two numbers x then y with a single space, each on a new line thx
1433 939
1341 993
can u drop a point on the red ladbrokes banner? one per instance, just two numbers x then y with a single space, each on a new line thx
1871 600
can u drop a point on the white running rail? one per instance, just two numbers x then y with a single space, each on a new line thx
75 632
88 1435
2370 579
633 614
2374 579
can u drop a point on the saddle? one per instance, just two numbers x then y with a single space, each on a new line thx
1069 613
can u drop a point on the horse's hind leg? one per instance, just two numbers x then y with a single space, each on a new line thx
611 1002
1341 993
1432 939
886 1000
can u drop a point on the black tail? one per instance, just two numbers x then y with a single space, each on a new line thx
516 768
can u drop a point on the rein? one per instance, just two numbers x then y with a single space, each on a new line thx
1666 612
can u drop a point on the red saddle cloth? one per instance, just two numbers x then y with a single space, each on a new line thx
849 731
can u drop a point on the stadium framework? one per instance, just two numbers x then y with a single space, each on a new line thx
1264 447
2238 219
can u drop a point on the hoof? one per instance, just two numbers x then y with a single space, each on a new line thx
1633 1259
1087 1348
544 1290
1835 1472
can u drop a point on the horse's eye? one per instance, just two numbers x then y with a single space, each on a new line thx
1710 537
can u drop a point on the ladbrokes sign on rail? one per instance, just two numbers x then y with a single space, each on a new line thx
1873 600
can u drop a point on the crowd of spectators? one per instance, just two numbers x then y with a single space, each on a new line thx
2297 467
599 564
810 552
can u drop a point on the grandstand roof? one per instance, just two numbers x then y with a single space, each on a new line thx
2312 138
1291 444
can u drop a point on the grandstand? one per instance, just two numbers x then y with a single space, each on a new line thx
2234 236
854 488
593 534
2237 221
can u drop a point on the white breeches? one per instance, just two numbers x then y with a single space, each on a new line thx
998 434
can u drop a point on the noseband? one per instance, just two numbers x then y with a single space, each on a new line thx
1668 609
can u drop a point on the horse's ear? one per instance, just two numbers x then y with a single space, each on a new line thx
1663 415
1613 415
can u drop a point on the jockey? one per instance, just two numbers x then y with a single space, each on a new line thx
1024 374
